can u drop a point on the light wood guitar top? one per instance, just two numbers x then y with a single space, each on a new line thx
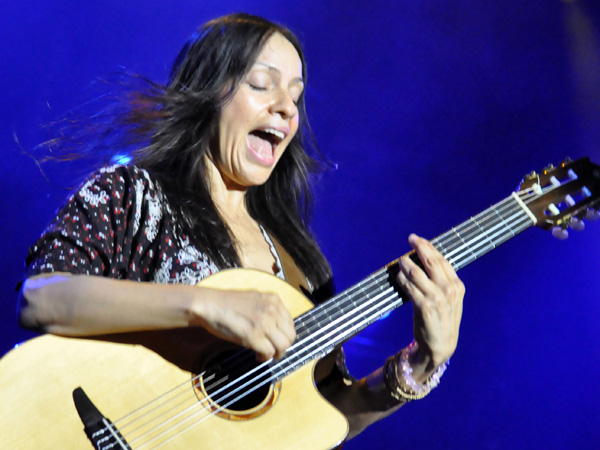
37 380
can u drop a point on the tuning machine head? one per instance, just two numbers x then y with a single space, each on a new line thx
576 224
532 176
549 168
592 214
560 233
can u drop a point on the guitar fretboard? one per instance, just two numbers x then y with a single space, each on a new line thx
328 325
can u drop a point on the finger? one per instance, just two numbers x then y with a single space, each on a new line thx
440 270
270 344
434 264
285 323
281 317
273 322
279 341
262 346
424 290
413 280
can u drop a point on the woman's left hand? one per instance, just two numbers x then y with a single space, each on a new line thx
437 296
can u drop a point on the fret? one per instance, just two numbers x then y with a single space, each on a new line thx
502 219
340 318
484 233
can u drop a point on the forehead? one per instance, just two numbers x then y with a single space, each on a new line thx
278 53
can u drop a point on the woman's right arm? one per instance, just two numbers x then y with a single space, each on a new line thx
84 305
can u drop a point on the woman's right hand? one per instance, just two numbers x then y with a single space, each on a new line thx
258 321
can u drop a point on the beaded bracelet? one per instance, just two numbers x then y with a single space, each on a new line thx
413 390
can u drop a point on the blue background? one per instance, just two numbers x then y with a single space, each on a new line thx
432 111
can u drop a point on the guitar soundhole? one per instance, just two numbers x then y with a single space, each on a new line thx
237 386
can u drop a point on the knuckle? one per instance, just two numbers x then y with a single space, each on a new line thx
252 330
271 298
448 265
412 273
268 351
289 339
405 284
449 291
262 322
425 311
426 260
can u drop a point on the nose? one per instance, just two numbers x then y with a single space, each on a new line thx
284 105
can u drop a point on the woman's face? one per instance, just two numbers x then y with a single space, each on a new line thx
261 119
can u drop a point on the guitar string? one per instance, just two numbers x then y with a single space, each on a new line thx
521 228
525 197
319 350
495 236
186 385
513 233
462 231
442 236
235 359
387 306
260 377
252 389
219 408
475 222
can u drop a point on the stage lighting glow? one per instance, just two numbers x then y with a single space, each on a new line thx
121 159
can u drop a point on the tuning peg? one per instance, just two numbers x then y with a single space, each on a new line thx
566 162
577 224
560 233
531 176
592 214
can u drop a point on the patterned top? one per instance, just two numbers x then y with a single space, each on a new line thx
120 225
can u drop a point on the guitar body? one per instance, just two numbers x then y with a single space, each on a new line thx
37 380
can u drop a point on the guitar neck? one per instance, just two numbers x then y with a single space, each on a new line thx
328 325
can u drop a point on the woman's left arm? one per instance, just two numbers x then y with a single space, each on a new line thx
437 297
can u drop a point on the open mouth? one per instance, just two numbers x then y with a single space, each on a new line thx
263 143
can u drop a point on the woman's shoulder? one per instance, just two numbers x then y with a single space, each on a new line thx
120 174
118 181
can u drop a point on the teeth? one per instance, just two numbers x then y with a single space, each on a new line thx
277 133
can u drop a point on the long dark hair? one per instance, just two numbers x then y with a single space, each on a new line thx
179 120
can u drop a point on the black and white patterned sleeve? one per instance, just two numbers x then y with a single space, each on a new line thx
93 232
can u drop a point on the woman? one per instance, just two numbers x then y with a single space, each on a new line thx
223 182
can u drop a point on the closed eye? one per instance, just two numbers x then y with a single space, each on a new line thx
256 87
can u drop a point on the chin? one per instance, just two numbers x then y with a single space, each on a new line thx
254 179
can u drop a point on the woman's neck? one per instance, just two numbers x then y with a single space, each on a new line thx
229 198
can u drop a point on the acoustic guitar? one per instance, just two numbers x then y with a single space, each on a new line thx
59 393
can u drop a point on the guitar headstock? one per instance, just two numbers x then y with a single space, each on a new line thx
563 196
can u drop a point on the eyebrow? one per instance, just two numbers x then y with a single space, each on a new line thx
274 69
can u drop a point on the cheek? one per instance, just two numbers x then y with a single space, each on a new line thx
232 130
294 125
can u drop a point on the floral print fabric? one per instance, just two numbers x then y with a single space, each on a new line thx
119 225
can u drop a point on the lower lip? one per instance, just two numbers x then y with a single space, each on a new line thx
267 161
